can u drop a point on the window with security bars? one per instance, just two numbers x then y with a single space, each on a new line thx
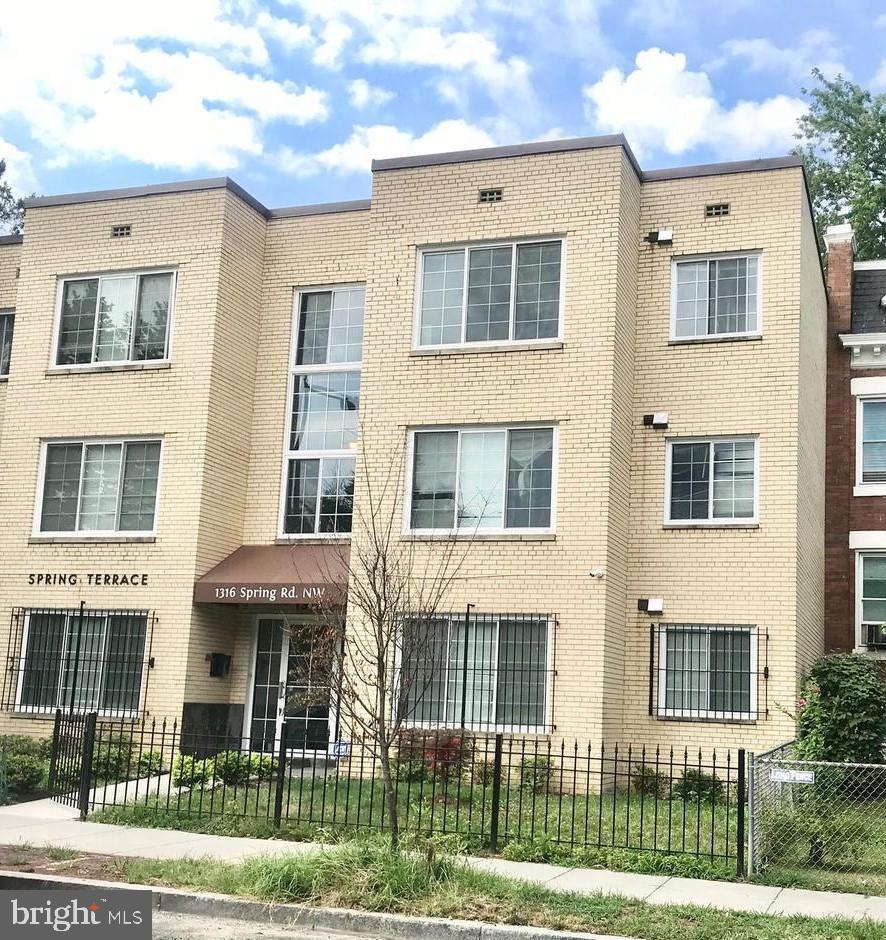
324 413
712 482
704 671
98 487
79 660
490 293
871 441
484 479
7 325
484 672
114 318
716 297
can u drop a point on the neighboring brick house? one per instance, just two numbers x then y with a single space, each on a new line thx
613 380
855 574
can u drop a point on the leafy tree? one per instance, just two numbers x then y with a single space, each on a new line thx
844 147
12 209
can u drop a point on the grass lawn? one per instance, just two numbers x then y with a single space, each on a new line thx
532 826
364 874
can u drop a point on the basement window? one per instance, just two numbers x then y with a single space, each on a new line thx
716 210
491 195
121 231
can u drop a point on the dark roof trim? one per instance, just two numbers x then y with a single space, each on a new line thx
513 150
722 169
321 208
11 239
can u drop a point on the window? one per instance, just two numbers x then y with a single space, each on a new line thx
713 482
716 210
716 297
89 661
490 293
871 605
7 323
319 467
99 487
489 673
491 195
703 671
871 441
484 479
114 318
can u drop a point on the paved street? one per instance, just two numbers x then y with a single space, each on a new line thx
190 927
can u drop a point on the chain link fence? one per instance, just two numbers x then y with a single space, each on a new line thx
817 823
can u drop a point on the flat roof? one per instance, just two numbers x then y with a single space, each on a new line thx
11 239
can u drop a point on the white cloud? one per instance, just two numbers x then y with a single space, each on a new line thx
382 140
103 83
816 48
661 105
334 38
365 95
290 35
20 174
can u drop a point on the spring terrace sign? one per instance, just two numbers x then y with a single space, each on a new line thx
89 578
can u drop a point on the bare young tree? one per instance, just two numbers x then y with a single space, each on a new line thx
380 653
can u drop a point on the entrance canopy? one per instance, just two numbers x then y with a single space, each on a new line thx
316 575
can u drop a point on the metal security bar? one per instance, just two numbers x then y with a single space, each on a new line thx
708 672
490 790
479 671
78 659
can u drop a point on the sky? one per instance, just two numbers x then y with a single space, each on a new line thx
293 98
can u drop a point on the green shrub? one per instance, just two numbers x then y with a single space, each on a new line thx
25 772
149 764
234 768
482 773
22 744
648 781
698 785
190 771
535 774
410 770
111 759
841 711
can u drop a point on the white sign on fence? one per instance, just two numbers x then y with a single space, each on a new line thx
783 775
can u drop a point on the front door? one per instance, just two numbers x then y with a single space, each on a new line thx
291 685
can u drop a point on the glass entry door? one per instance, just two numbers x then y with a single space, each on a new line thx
291 685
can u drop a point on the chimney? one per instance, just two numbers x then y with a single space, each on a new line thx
841 256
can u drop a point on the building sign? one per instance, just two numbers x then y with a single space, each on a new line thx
220 593
89 578
783 775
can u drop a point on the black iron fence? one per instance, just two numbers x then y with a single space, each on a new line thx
485 791
80 659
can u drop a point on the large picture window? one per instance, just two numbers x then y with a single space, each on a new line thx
114 318
324 410
99 487
90 660
490 293
483 479
712 482
489 673
716 297
705 671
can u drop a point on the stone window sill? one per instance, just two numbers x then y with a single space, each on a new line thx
91 540
468 349
93 368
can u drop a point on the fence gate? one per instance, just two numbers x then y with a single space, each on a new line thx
818 823
70 761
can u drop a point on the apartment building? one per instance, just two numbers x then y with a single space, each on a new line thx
855 592
607 383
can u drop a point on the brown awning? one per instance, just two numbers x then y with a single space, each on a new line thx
316 575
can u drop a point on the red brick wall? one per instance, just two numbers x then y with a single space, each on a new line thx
844 513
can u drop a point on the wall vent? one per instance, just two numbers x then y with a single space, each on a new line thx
121 231
491 195
716 210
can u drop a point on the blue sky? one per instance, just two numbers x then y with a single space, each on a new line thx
293 98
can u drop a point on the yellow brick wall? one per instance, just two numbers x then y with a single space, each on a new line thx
10 256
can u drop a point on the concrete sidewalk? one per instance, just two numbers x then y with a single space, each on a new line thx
45 823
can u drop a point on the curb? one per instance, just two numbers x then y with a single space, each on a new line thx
385 926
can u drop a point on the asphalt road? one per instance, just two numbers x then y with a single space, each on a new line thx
187 927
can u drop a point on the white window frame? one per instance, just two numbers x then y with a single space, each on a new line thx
466 247
55 366
294 372
861 645
70 614
458 619
711 522
714 337
699 713
83 535
476 531
861 488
